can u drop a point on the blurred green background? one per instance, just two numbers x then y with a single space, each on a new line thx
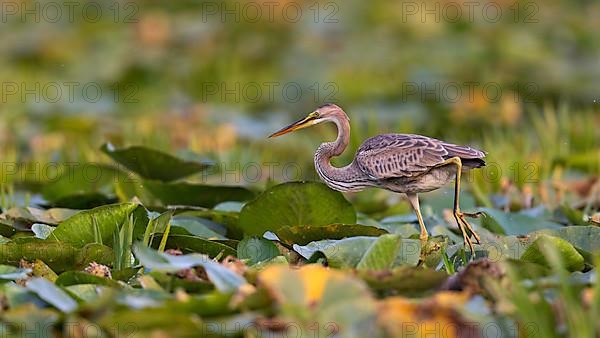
519 79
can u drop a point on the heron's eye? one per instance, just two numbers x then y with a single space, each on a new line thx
314 114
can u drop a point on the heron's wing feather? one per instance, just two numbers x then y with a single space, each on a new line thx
399 155
463 152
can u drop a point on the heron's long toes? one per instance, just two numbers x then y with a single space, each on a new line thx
471 248
462 223
468 242
473 215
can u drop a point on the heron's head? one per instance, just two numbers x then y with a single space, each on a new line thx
326 112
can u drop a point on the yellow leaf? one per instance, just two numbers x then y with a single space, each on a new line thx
431 317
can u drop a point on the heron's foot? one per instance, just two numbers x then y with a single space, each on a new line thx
463 225
461 218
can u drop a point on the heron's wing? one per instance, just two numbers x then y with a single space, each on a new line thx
464 152
399 155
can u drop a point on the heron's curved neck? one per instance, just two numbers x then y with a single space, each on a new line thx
346 178
336 148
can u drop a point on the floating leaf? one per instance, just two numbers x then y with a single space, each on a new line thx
381 254
200 195
231 206
6 230
296 203
406 280
198 227
192 244
512 223
52 294
226 219
303 235
82 201
42 231
59 256
31 215
348 252
87 293
224 279
256 250
437 316
314 293
167 282
86 179
29 319
69 278
41 269
8 272
537 251
153 164
79 229
585 238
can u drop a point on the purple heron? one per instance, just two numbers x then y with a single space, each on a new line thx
402 163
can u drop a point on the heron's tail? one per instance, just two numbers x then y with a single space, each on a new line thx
471 163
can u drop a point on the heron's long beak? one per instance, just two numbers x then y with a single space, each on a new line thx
300 124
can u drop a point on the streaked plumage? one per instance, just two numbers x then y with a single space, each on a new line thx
412 163
403 163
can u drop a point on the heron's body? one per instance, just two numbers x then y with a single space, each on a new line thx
402 163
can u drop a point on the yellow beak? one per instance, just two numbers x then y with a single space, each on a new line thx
300 124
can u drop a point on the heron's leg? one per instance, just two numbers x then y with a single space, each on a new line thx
414 202
459 216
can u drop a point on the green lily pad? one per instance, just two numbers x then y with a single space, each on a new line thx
69 278
381 254
227 219
538 252
167 282
513 223
256 250
296 203
83 201
153 164
303 235
349 252
7 230
80 229
200 195
87 293
586 238
405 280
193 244
87 179
196 226
32 215
58 255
